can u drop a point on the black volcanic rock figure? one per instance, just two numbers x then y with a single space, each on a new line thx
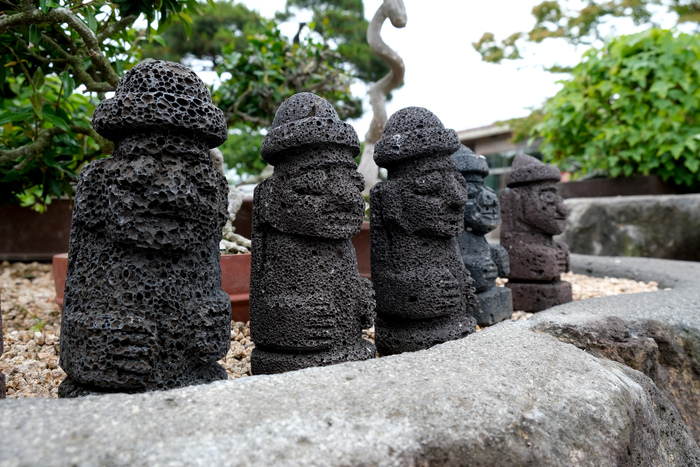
144 309
308 303
484 262
2 375
423 291
532 213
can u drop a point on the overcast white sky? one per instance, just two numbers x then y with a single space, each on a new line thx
446 75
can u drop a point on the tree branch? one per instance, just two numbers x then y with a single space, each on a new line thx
115 27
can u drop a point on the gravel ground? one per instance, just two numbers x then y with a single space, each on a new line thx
32 323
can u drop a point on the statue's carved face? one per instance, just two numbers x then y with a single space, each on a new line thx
164 199
543 208
481 213
319 199
427 198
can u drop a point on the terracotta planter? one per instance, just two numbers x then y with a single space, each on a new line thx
235 281
361 244
26 235
60 267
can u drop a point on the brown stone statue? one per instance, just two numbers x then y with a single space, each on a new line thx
144 309
308 303
485 262
424 293
532 213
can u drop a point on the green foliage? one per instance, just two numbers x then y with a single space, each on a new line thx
343 22
46 107
630 108
220 25
561 19
59 57
271 69
242 150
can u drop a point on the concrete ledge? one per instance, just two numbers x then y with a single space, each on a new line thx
510 395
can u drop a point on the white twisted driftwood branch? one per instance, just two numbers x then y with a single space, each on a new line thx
395 11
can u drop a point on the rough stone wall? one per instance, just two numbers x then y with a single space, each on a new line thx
308 303
143 308
484 262
424 292
532 213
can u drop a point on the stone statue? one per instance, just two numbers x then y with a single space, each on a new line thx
532 213
144 309
308 303
2 375
484 262
423 291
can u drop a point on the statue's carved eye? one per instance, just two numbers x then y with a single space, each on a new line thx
429 183
310 183
548 197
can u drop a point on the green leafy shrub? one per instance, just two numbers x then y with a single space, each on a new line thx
58 58
632 107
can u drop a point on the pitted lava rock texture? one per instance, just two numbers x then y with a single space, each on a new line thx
484 262
144 309
2 375
308 303
532 213
424 293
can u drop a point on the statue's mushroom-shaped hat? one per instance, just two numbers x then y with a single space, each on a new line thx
527 169
413 133
472 167
304 120
159 95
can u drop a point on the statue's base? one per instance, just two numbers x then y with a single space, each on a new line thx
494 306
394 336
537 296
204 375
270 362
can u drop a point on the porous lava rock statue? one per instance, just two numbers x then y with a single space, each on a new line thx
532 213
144 309
423 291
485 262
308 303
2 375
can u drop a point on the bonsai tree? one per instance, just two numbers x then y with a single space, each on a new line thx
50 49
630 107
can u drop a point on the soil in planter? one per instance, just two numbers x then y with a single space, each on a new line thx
31 326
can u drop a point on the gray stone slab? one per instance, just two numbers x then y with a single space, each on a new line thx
656 226
503 396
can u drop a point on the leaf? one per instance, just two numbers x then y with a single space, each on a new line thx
68 83
91 21
13 62
159 39
38 78
37 104
8 117
34 34
57 121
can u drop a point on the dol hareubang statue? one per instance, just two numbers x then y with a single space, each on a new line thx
532 213
308 303
143 306
423 291
485 262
